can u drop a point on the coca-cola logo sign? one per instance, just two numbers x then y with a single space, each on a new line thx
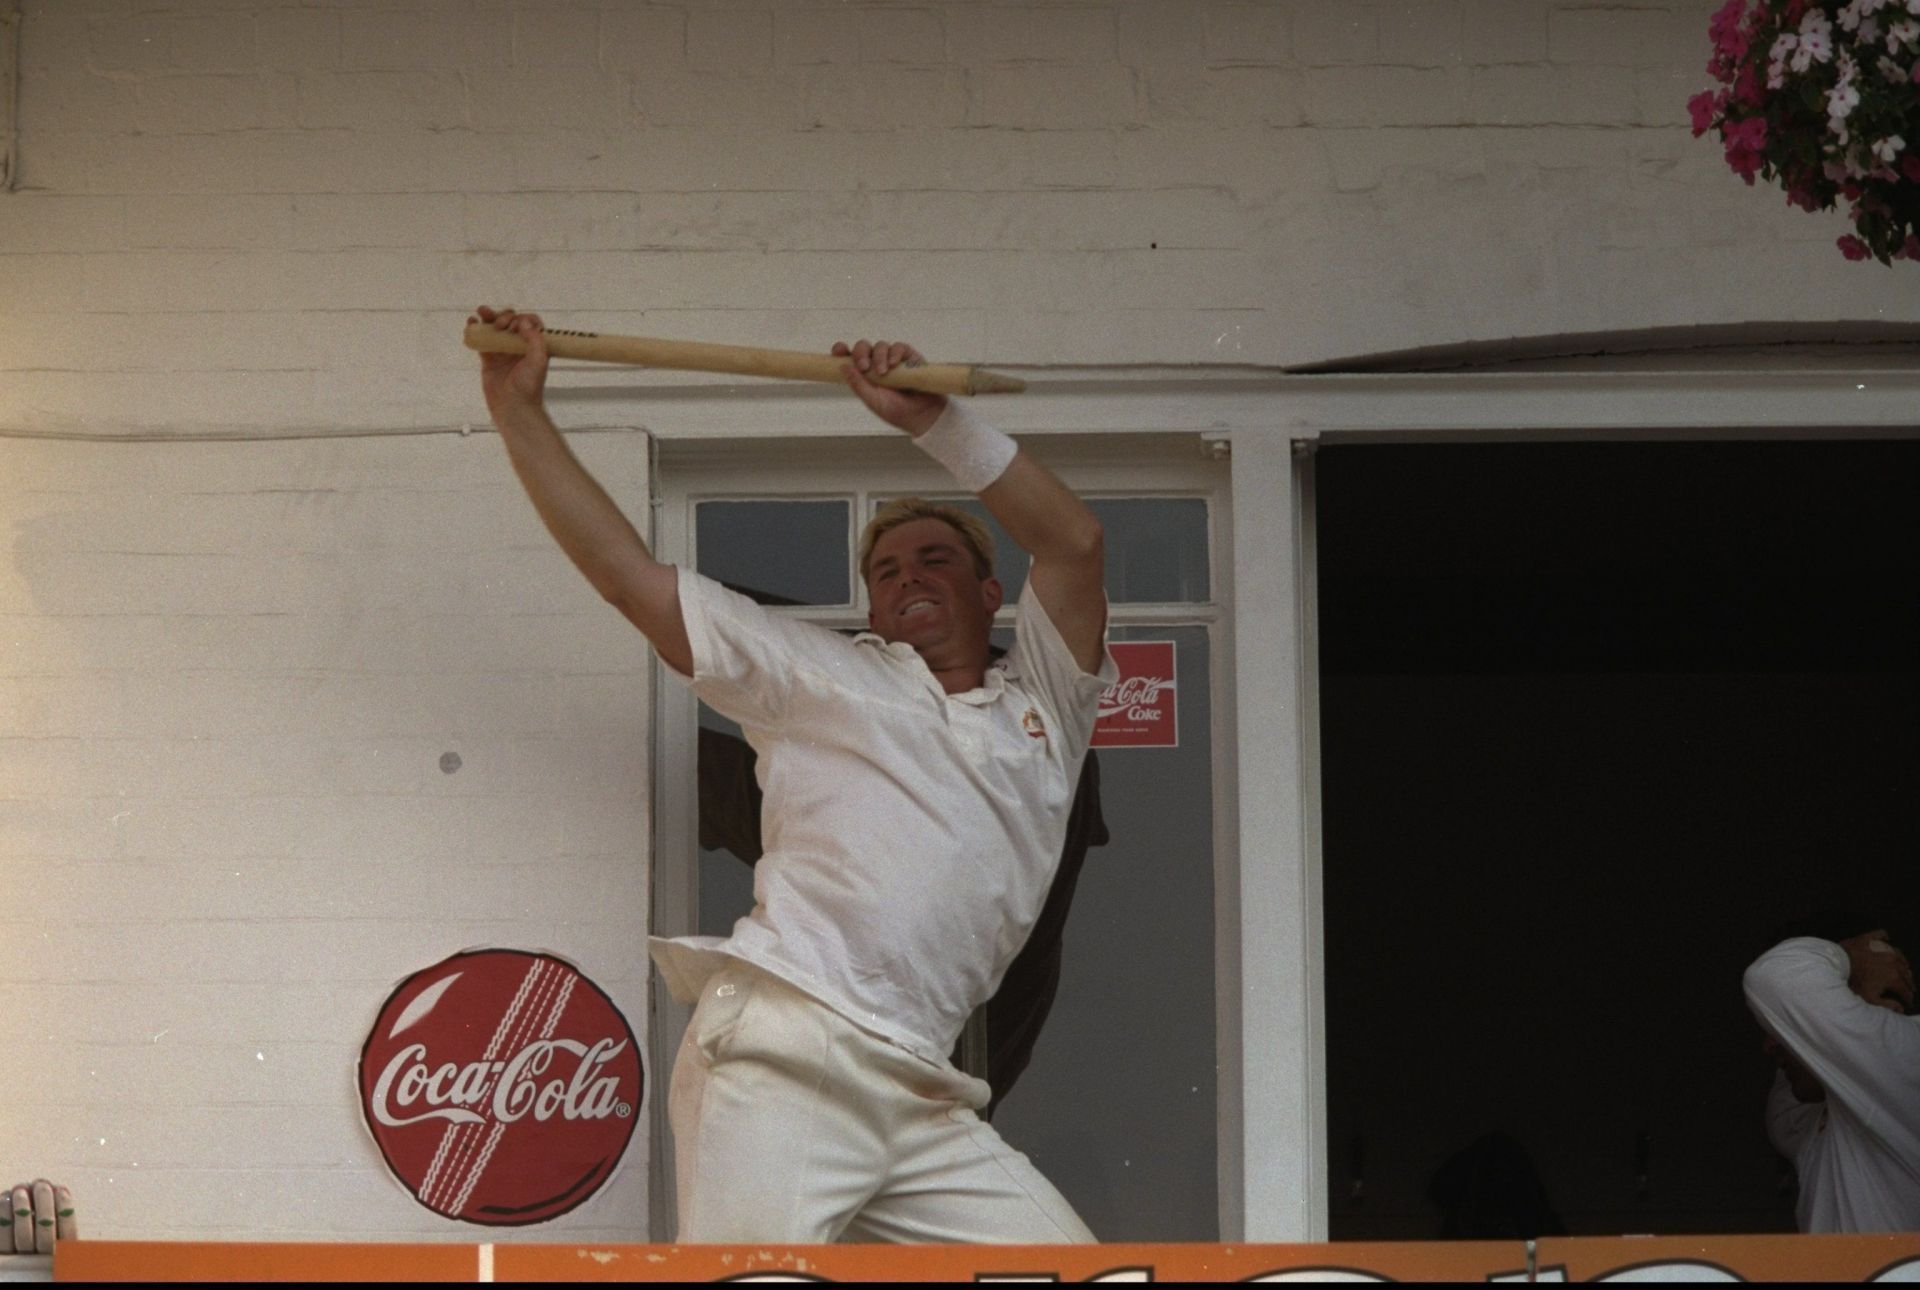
502 1086
1138 710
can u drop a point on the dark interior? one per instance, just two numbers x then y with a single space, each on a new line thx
1597 721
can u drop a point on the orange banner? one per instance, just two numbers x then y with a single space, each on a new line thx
1729 1258
1612 1258
1412 1261
83 1260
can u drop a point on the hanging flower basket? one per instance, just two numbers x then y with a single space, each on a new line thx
1824 100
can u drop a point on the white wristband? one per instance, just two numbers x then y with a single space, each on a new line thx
974 452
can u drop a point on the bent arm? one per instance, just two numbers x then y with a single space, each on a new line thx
1038 511
576 510
1068 548
590 528
1866 1057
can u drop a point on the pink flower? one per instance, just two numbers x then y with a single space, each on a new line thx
1910 167
1750 134
1910 249
1744 140
1802 183
1704 107
1747 89
1853 248
1729 39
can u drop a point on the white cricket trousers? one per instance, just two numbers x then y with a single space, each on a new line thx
792 1124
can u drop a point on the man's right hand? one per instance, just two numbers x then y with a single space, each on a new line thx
513 380
1878 972
868 361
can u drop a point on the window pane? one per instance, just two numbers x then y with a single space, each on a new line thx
779 553
1137 1155
1156 549
1009 561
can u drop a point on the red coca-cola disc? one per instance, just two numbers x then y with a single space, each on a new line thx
502 1086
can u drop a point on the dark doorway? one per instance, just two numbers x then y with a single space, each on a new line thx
1595 719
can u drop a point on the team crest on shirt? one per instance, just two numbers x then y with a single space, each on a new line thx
1031 722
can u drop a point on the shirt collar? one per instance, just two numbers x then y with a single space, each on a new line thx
991 687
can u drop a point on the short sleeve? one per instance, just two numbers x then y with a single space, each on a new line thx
745 659
1046 666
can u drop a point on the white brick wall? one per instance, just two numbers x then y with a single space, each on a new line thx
228 672
262 159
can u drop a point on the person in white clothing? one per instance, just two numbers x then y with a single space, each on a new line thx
915 802
1845 1104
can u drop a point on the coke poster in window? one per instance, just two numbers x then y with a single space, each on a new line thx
1139 709
502 1086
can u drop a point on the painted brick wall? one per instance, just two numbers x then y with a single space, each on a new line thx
248 212
229 674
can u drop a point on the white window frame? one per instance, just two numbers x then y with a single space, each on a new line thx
689 474
1274 434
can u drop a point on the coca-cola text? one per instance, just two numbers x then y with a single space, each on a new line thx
509 1089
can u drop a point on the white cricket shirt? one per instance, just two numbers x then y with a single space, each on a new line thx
1858 1152
910 835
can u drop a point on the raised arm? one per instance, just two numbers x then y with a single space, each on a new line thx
1038 511
1866 1055
576 510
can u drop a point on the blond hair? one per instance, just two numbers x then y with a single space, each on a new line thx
903 510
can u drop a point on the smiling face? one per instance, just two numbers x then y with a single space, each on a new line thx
924 589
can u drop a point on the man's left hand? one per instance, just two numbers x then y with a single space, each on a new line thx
1879 973
868 361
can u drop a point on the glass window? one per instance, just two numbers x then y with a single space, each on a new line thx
1136 1153
1156 548
778 552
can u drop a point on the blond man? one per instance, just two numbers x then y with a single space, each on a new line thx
916 801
